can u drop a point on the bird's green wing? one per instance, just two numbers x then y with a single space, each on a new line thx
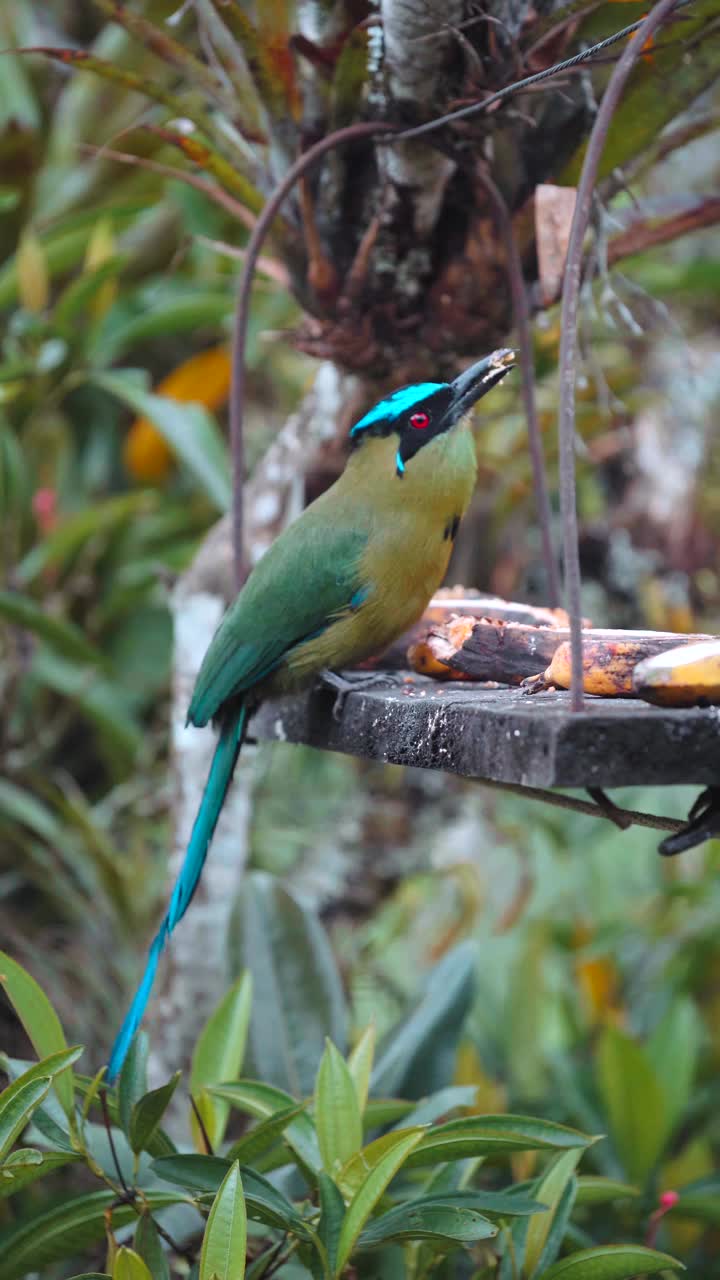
308 575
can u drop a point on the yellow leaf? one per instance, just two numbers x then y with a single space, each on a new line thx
33 283
101 247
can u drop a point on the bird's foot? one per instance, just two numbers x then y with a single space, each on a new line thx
353 682
703 824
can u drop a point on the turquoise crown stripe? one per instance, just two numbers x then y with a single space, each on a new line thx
396 404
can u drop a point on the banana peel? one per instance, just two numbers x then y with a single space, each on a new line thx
610 659
688 676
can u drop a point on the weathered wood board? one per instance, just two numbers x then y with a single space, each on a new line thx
505 734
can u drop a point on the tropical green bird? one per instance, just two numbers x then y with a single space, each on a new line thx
353 572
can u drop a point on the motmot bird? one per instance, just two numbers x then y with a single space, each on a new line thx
350 575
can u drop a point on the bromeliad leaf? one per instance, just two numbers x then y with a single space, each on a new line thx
420 1053
299 998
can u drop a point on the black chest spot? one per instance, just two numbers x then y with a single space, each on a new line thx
451 528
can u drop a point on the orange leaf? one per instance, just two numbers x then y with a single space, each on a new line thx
203 379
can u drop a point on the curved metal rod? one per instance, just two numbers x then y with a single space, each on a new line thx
568 333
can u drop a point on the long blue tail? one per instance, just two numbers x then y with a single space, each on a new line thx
219 778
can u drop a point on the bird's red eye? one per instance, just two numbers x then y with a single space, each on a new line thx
420 421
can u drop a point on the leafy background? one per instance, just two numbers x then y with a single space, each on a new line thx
569 973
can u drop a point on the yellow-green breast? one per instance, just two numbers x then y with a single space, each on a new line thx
411 522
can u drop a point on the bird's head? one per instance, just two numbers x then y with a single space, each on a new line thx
422 411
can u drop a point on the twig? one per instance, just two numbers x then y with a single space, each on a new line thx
478 107
352 133
646 232
568 334
629 817
214 193
111 1142
521 312
201 1125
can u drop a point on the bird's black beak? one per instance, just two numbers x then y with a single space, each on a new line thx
473 383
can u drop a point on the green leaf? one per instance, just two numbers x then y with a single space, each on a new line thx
332 1214
40 1022
360 1063
27 1165
560 1227
218 1056
548 1190
594 1190
61 635
419 1054
67 1229
147 1244
659 90
225 1239
129 1265
81 290
637 1109
298 995
264 1135
102 702
337 1114
132 1084
17 1104
100 520
381 1161
180 313
205 1173
190 430
446 1223
492 1204
440 1104
611 1262
92 1275
486 1135
701 1200
264 1101
147 1113
380 1112
673 1050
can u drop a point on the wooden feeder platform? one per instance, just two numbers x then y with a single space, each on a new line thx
505 734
